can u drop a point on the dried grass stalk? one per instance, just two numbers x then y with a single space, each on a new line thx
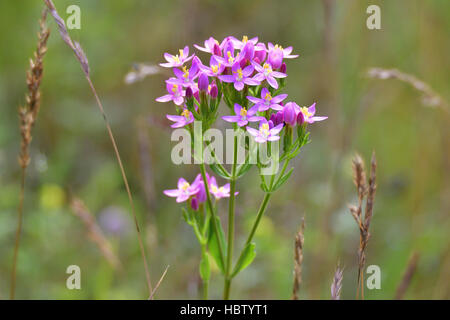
407 276
298 260
28 115
158 284
81 57
429 96
365 191
336 285
95 233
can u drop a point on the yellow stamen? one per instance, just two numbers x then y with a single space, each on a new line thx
186 73
268 96
264 129
306 113
243 112
181 53
230 58
214 189
277 46
186 114
239 72
215 68
244 39
175 88
185 186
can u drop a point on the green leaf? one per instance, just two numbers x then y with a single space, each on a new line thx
264 187
205 270
219 171
245 259
213 243
282 180
243 168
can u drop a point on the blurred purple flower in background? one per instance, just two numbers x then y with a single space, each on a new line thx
114 220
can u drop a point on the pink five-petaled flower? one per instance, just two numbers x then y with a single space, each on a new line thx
175 91
184 76
267 101
215 67
219 192
265 133
238 44
243 116
308 114
240 76
184 191
265 72
277 54
176 60
209 45
182 120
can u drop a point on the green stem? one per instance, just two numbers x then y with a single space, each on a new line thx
263 206
211 210
261 211
205 281
231 211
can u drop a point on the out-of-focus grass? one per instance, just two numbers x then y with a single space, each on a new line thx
71 152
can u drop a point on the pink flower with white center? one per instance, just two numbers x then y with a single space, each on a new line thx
265 133
240 76
308 114
240 44
184 191
265 72
182 120
215 67
243 116
267 101
184 76
176 93
277 54
219 192
209 45
176 60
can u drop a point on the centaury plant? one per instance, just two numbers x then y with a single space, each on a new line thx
249 76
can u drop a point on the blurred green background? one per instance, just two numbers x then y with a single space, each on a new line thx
72 155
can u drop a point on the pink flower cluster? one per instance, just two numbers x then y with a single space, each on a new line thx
195 192
242 63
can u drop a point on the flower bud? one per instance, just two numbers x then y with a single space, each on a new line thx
279 117
203 82
289 114
300 118
260 55
249 50
214 91
216 50
189 93
283 68
276 57
194 204
273 117
243 63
